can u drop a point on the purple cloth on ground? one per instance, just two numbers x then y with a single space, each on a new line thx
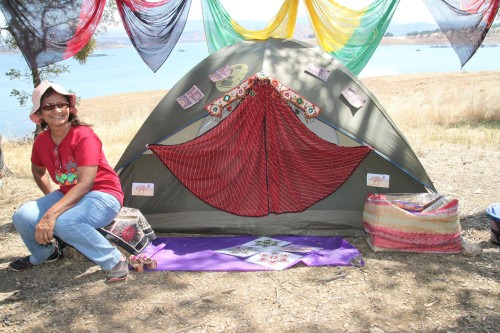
198 253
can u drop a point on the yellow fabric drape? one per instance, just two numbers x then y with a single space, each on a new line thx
282 26
333 23
350 33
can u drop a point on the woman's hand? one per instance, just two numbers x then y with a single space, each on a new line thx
44 232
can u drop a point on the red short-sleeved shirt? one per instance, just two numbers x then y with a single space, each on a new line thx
80 147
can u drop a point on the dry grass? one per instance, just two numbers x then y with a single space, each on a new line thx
460 108
446 100
392 292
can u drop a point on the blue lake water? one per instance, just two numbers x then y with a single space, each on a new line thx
122 70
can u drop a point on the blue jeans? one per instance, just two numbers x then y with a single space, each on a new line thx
76 227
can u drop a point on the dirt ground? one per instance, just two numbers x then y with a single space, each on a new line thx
392 292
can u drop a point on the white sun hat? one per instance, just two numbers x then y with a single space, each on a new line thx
41 89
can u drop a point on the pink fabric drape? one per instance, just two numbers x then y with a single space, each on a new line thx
464 22
50 31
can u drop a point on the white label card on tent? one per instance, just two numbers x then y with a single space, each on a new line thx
353 98
318 71
143 189
377 180
193 96
221 73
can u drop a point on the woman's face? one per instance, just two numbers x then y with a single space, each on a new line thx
54 110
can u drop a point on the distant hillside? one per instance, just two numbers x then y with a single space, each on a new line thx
397 29
303 29
400 30
194 31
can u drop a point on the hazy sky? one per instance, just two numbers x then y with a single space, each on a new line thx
408 11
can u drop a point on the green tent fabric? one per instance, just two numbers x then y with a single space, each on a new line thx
334 105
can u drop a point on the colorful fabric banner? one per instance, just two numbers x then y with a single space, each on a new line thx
154 27
221 30
350 35
464 22
50 31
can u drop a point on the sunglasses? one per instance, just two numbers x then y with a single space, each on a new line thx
50 107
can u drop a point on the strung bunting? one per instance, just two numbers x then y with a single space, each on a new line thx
464 23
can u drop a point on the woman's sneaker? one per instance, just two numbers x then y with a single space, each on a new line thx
119 272
24 262
20 264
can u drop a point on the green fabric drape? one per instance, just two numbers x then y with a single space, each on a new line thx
350 35
221 30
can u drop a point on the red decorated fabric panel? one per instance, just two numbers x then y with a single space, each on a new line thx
261 159
50 31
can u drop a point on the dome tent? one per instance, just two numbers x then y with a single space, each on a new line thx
186 182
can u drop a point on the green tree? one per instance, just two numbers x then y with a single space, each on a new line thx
51 72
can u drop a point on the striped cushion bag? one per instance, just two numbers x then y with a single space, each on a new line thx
421 222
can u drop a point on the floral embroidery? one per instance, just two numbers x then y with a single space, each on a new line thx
68 174
215 108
